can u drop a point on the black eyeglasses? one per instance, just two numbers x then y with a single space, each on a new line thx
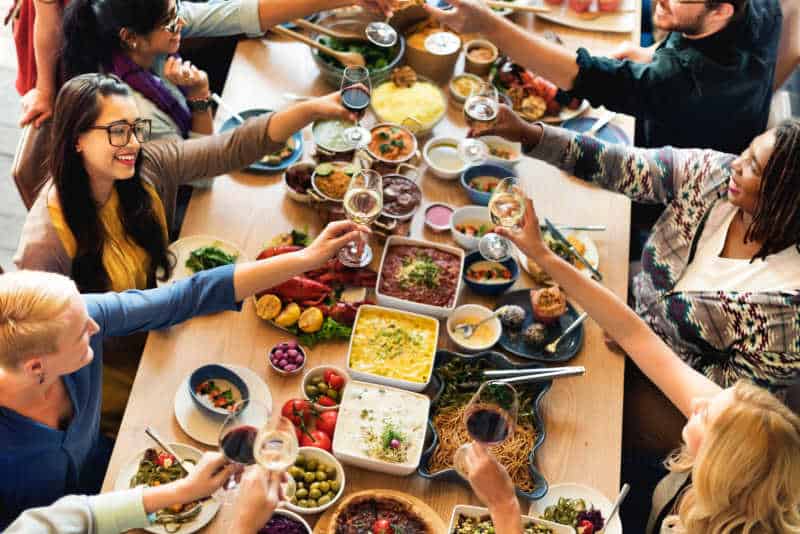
119 132
174 23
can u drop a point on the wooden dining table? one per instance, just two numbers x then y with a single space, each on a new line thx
583 415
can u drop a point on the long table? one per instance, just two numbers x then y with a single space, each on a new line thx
583 416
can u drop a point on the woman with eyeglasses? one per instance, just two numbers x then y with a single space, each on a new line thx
138 40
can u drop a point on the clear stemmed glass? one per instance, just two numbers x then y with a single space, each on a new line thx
507 209
363 203
356 89
490 418
238 435
381 33
480 112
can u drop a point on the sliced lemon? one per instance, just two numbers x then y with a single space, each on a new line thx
310 320
268 307
289 315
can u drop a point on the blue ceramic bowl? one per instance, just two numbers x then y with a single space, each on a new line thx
486 169
212 372
480 288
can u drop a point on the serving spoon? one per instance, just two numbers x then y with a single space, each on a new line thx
336 34
468 329
346 58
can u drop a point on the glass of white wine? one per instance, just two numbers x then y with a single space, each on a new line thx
507 209
275 448
480 112
363 203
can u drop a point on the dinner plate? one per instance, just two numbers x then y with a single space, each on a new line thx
591 254
210 507
260 166
574 491
610 133
183 247
512 341
204 427
624 21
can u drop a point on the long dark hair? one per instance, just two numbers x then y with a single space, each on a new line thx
77 108
776 221
91 30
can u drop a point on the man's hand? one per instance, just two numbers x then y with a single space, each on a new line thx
632 52
37 107
508 125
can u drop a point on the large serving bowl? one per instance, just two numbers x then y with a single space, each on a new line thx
420 127
332 71
376 155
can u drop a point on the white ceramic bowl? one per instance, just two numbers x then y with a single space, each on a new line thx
473 310
458 97
385 380
296 517
477 512
444 174
411 306
315 372
515 148
464 214
328 459
415 407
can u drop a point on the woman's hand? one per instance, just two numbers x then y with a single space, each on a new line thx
528 238
184 74
334 237
467 16
259 495
210 473
508 125
37 107
329 107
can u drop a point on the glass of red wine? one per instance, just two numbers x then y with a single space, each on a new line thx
238 433
355 90
490 418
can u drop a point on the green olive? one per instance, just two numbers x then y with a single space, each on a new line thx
301 493
333 394
296 472
330 471
325 499
293 500
312 390
300 461
315 494
322 387
311 465
324 487
303 503
312 503
314 485
321 476
334 486
309 477
300 485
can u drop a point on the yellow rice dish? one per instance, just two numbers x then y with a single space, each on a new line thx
423 101
394 344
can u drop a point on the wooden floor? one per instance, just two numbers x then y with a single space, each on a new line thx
12 212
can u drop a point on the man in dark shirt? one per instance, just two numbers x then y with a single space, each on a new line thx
708 85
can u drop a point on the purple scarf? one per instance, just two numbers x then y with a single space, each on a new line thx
153 88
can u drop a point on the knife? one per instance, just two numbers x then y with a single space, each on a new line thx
186 466
600 124
558 235
578 228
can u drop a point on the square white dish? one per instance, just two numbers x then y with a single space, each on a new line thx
477 511
385 380
364 403
409 305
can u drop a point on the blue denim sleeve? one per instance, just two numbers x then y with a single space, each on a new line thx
220 18
121 314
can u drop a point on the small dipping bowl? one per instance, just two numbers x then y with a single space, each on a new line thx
450 147
289 352
438 216
478 312
318 372
460 96
480 67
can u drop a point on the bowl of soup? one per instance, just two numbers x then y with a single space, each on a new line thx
392 143
483 338
479 181
441 156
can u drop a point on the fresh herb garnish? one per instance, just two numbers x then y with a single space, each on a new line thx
420 271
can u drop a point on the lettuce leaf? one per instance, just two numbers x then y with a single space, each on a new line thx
331 329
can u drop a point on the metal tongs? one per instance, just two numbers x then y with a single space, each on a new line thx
578 256
531 376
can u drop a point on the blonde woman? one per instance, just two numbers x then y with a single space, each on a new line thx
738 470
51 345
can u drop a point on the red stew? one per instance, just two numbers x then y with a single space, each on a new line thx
421 274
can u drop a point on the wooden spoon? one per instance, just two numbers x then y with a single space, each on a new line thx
517 7
343 36
347 58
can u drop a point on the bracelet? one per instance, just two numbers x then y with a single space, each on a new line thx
197 105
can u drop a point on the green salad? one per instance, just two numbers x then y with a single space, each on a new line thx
203 258
484 525
376 57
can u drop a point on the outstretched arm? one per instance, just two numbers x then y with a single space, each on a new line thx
37 104
676 379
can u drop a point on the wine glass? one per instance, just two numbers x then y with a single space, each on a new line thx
275 447
490 418
507 209
356 89
238 435
480 112
381 33
363 203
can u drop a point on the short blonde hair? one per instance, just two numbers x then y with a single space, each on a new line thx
746 475
30 305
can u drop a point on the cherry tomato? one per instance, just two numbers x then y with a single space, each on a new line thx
316 438
327 375
327 422
297 410
381 526
335 380
299 433
580 6
324 400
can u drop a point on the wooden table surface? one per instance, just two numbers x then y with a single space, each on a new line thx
583 416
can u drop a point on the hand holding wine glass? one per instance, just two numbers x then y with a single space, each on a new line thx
507 209
480 113
363 203
238 433
356 89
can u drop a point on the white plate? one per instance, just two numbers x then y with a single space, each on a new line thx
204 427
477 511
623 21
506 12
210 507
591 254
565 114
575 491
182 248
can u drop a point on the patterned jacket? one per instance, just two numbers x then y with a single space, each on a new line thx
726 335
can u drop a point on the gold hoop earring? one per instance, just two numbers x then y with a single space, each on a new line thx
41 378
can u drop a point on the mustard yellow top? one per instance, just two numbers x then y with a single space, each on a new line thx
126 263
